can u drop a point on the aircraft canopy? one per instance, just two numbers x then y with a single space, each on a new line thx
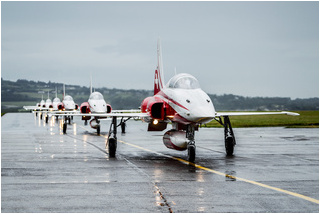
68 98
183 81
96 96
56 100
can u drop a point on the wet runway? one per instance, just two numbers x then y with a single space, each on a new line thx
273 170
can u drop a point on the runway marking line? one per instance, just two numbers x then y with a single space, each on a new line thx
229 176
223 174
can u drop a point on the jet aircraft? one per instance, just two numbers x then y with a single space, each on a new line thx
56 101
66 108
95 104
41 107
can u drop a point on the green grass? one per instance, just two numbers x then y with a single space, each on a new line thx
307 119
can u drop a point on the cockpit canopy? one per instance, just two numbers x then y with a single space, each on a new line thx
56 100
183 81
68 98
96 96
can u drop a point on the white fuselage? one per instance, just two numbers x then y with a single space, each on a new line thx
68 103
48 103
55 103
97 104
42 103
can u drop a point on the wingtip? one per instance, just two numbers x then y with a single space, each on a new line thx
291 113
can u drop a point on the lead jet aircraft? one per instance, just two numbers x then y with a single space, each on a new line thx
185 105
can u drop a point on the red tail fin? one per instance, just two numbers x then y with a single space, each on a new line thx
158 84
158 77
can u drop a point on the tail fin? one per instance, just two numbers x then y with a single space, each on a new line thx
64 91
91 84
158 78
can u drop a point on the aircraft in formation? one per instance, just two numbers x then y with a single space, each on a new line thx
95 104
180 102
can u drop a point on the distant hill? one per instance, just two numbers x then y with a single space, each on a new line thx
14 95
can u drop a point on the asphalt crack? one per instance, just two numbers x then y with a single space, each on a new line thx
164 202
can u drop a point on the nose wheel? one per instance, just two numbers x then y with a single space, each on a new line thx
191 152
191 144
98 129
64 128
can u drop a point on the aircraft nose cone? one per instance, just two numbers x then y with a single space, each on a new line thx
201 114
99 107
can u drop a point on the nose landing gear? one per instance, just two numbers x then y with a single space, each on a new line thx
191 144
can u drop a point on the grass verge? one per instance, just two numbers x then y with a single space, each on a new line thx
307 119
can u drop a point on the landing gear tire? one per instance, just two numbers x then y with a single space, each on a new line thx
98 130
47 118
64 128
112 147
229 144
191 153
123 127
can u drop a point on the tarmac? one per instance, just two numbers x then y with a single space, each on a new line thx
43 170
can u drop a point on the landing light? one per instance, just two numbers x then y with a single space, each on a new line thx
155 122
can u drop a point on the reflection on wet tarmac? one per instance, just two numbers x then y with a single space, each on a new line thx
75 171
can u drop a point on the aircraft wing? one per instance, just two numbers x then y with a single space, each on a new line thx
127 111
221 114
120 114
57 112
31 107
35 108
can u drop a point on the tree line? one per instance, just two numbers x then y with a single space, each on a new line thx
32 91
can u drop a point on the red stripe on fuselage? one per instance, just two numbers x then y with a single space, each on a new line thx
161 93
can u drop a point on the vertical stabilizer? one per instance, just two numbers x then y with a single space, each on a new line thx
159 78
90 84
64 91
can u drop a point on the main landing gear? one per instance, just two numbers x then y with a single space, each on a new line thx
66 120
112 136
229 139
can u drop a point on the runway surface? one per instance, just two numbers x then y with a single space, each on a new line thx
43 170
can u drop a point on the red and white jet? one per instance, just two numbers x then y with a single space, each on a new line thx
67 103
183 103
96 104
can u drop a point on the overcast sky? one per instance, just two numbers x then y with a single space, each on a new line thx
245 48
